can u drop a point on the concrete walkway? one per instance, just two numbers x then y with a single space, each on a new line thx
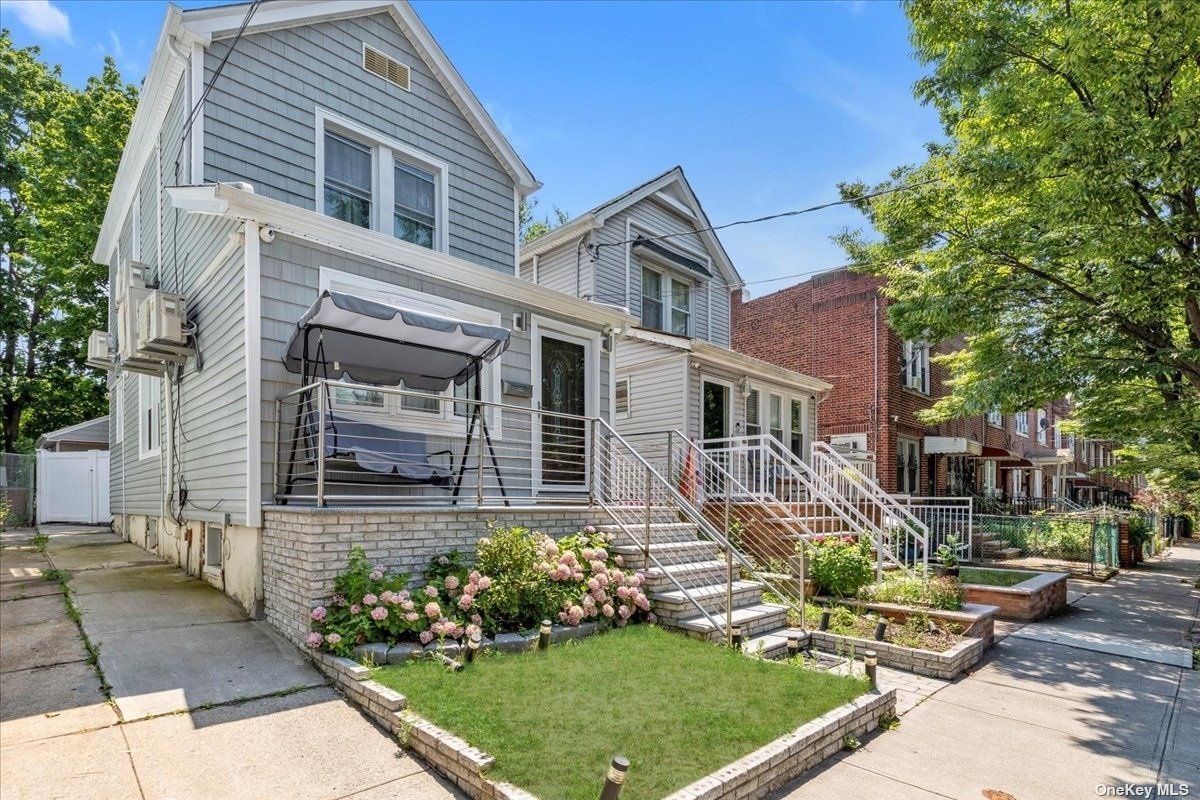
1098 696
205 703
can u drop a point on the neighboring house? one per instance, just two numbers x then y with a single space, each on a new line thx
650 251
90 435
337 150
834 326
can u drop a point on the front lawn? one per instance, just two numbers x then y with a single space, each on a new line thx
678 708
993 577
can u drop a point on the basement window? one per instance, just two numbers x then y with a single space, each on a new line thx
214 540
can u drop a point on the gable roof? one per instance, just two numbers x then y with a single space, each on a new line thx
672 189
183 29
94 431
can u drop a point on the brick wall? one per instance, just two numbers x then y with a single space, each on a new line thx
304 549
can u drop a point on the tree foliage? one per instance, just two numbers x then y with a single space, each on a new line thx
534 228
1057 229
61 147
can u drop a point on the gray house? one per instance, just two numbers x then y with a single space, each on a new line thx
331 150
650 251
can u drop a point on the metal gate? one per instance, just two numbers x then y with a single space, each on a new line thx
73 487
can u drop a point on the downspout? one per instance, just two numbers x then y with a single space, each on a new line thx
875 370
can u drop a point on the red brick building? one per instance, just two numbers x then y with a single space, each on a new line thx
834 327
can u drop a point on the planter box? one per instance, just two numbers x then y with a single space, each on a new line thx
976 620
1039 597
753 776
947 665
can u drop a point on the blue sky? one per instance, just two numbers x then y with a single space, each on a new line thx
766 105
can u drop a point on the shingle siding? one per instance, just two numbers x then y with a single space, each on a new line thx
260 123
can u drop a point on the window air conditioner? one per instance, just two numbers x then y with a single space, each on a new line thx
99 354
161 327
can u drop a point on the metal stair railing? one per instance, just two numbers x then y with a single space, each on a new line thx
908 535
641 501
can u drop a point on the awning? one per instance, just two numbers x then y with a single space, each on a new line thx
372 342
952 446
671 257
997 454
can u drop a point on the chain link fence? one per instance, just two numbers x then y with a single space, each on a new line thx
16 489
1056 542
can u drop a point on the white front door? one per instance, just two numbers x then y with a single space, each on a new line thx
565 367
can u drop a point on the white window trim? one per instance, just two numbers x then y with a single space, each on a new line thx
995 419
667 280
384 151
1021 430
765 393
445 424
628 412
916 445
916 353
591 342
1042 434
144 406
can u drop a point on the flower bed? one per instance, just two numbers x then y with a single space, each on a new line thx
917 631
680 709
520 577
1035 596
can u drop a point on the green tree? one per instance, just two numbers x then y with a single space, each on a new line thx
61 147
534 228
1057 229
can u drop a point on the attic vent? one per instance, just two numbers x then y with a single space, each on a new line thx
389 69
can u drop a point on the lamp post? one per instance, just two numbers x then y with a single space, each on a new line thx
615 778
544 635
871 662
473 647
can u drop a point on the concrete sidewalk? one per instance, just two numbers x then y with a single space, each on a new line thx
1096 696
204 702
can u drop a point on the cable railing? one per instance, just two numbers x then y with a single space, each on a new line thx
345 443
782 478
686 514
944 517
907 535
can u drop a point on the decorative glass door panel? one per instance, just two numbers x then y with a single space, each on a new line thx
564 391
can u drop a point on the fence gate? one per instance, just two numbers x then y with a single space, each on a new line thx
73 487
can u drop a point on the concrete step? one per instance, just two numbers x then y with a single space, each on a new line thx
711 598
688 574
1005 554
659 532
772 644
666 552
754 620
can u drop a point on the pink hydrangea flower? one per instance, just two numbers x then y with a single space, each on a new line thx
601 554
375 575
465 601
433 610
597 566
473 630
620 560
379 613
354 609
484 582
319 613
370 599
589 529
476 619
408 605
624 612
607 610
431 591
411 616
426 637
333 639
444 561
386 596
338 600
314 639
451 582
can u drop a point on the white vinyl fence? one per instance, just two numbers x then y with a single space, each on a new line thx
73 487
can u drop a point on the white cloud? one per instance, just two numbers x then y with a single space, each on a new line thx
42 16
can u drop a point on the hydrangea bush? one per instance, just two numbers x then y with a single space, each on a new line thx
520 577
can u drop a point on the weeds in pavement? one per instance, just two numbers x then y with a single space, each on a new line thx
40 541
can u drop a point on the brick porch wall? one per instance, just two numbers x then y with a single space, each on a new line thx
305 548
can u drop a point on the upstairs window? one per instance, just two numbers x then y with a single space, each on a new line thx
652 305
1021 422
995 418
916 366
1042 426
370 181
681 307
348 185
662 295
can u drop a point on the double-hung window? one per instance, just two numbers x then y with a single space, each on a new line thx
753 417
995 418
373 182
1021 422
916 366
1041 426
776 416
348 180
666 303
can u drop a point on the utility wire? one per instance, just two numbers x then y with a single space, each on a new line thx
794 213
191 117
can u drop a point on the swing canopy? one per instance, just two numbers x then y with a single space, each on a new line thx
372 342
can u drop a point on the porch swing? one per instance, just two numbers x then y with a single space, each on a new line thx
345 336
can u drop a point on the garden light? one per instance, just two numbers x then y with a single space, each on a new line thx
473 646
544 635
615 778
824 624
871 661
737 636
793 646
880 630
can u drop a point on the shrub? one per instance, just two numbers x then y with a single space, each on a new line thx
942 593
840 565
1069 540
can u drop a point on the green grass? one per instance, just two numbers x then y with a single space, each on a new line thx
678 708
993 577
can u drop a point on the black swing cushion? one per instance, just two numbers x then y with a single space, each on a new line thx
383 450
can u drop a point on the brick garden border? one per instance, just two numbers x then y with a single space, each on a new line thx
752 776
1030 600
946 665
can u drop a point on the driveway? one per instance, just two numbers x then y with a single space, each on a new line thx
1096 697
204 703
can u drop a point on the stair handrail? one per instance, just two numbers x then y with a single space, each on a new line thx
872 492
696 517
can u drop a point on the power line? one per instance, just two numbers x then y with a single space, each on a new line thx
191 117
769 217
